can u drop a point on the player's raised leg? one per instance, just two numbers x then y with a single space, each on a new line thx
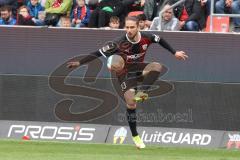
150 73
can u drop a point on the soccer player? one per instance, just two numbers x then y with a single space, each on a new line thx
127 60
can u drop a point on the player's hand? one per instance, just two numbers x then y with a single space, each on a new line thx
180 55
73 64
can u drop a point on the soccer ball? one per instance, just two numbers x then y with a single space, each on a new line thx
115 63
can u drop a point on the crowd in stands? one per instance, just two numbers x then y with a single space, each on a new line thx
191 15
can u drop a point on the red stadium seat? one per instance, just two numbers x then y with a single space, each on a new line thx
135 13
220 24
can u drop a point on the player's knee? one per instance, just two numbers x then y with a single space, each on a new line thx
129 98
156 67
115 63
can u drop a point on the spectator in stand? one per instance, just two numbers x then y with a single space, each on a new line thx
55 9
6 16
228 7
41 18
21 2
65 21
236 10
35 8
114 23
190 14
205 5
101 15
24 17
12 3
169 22
142 22
224 6
58 6
42 2
130 6
80 14
92 4
153 7
208 6
133 5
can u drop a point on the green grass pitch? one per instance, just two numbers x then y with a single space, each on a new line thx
39 150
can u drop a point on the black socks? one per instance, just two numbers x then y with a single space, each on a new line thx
132 121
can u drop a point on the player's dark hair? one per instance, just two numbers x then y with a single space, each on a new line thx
132 18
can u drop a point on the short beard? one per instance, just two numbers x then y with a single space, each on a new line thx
134 36
6 19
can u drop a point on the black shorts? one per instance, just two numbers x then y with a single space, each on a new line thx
132 76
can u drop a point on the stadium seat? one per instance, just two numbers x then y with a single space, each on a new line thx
135 13
220 24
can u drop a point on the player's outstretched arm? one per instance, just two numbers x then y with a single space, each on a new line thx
181 55
109 49
85 60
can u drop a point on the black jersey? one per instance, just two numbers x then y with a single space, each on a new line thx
132 52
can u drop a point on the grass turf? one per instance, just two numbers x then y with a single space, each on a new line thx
38 150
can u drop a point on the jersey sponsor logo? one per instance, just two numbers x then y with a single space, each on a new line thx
135 56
